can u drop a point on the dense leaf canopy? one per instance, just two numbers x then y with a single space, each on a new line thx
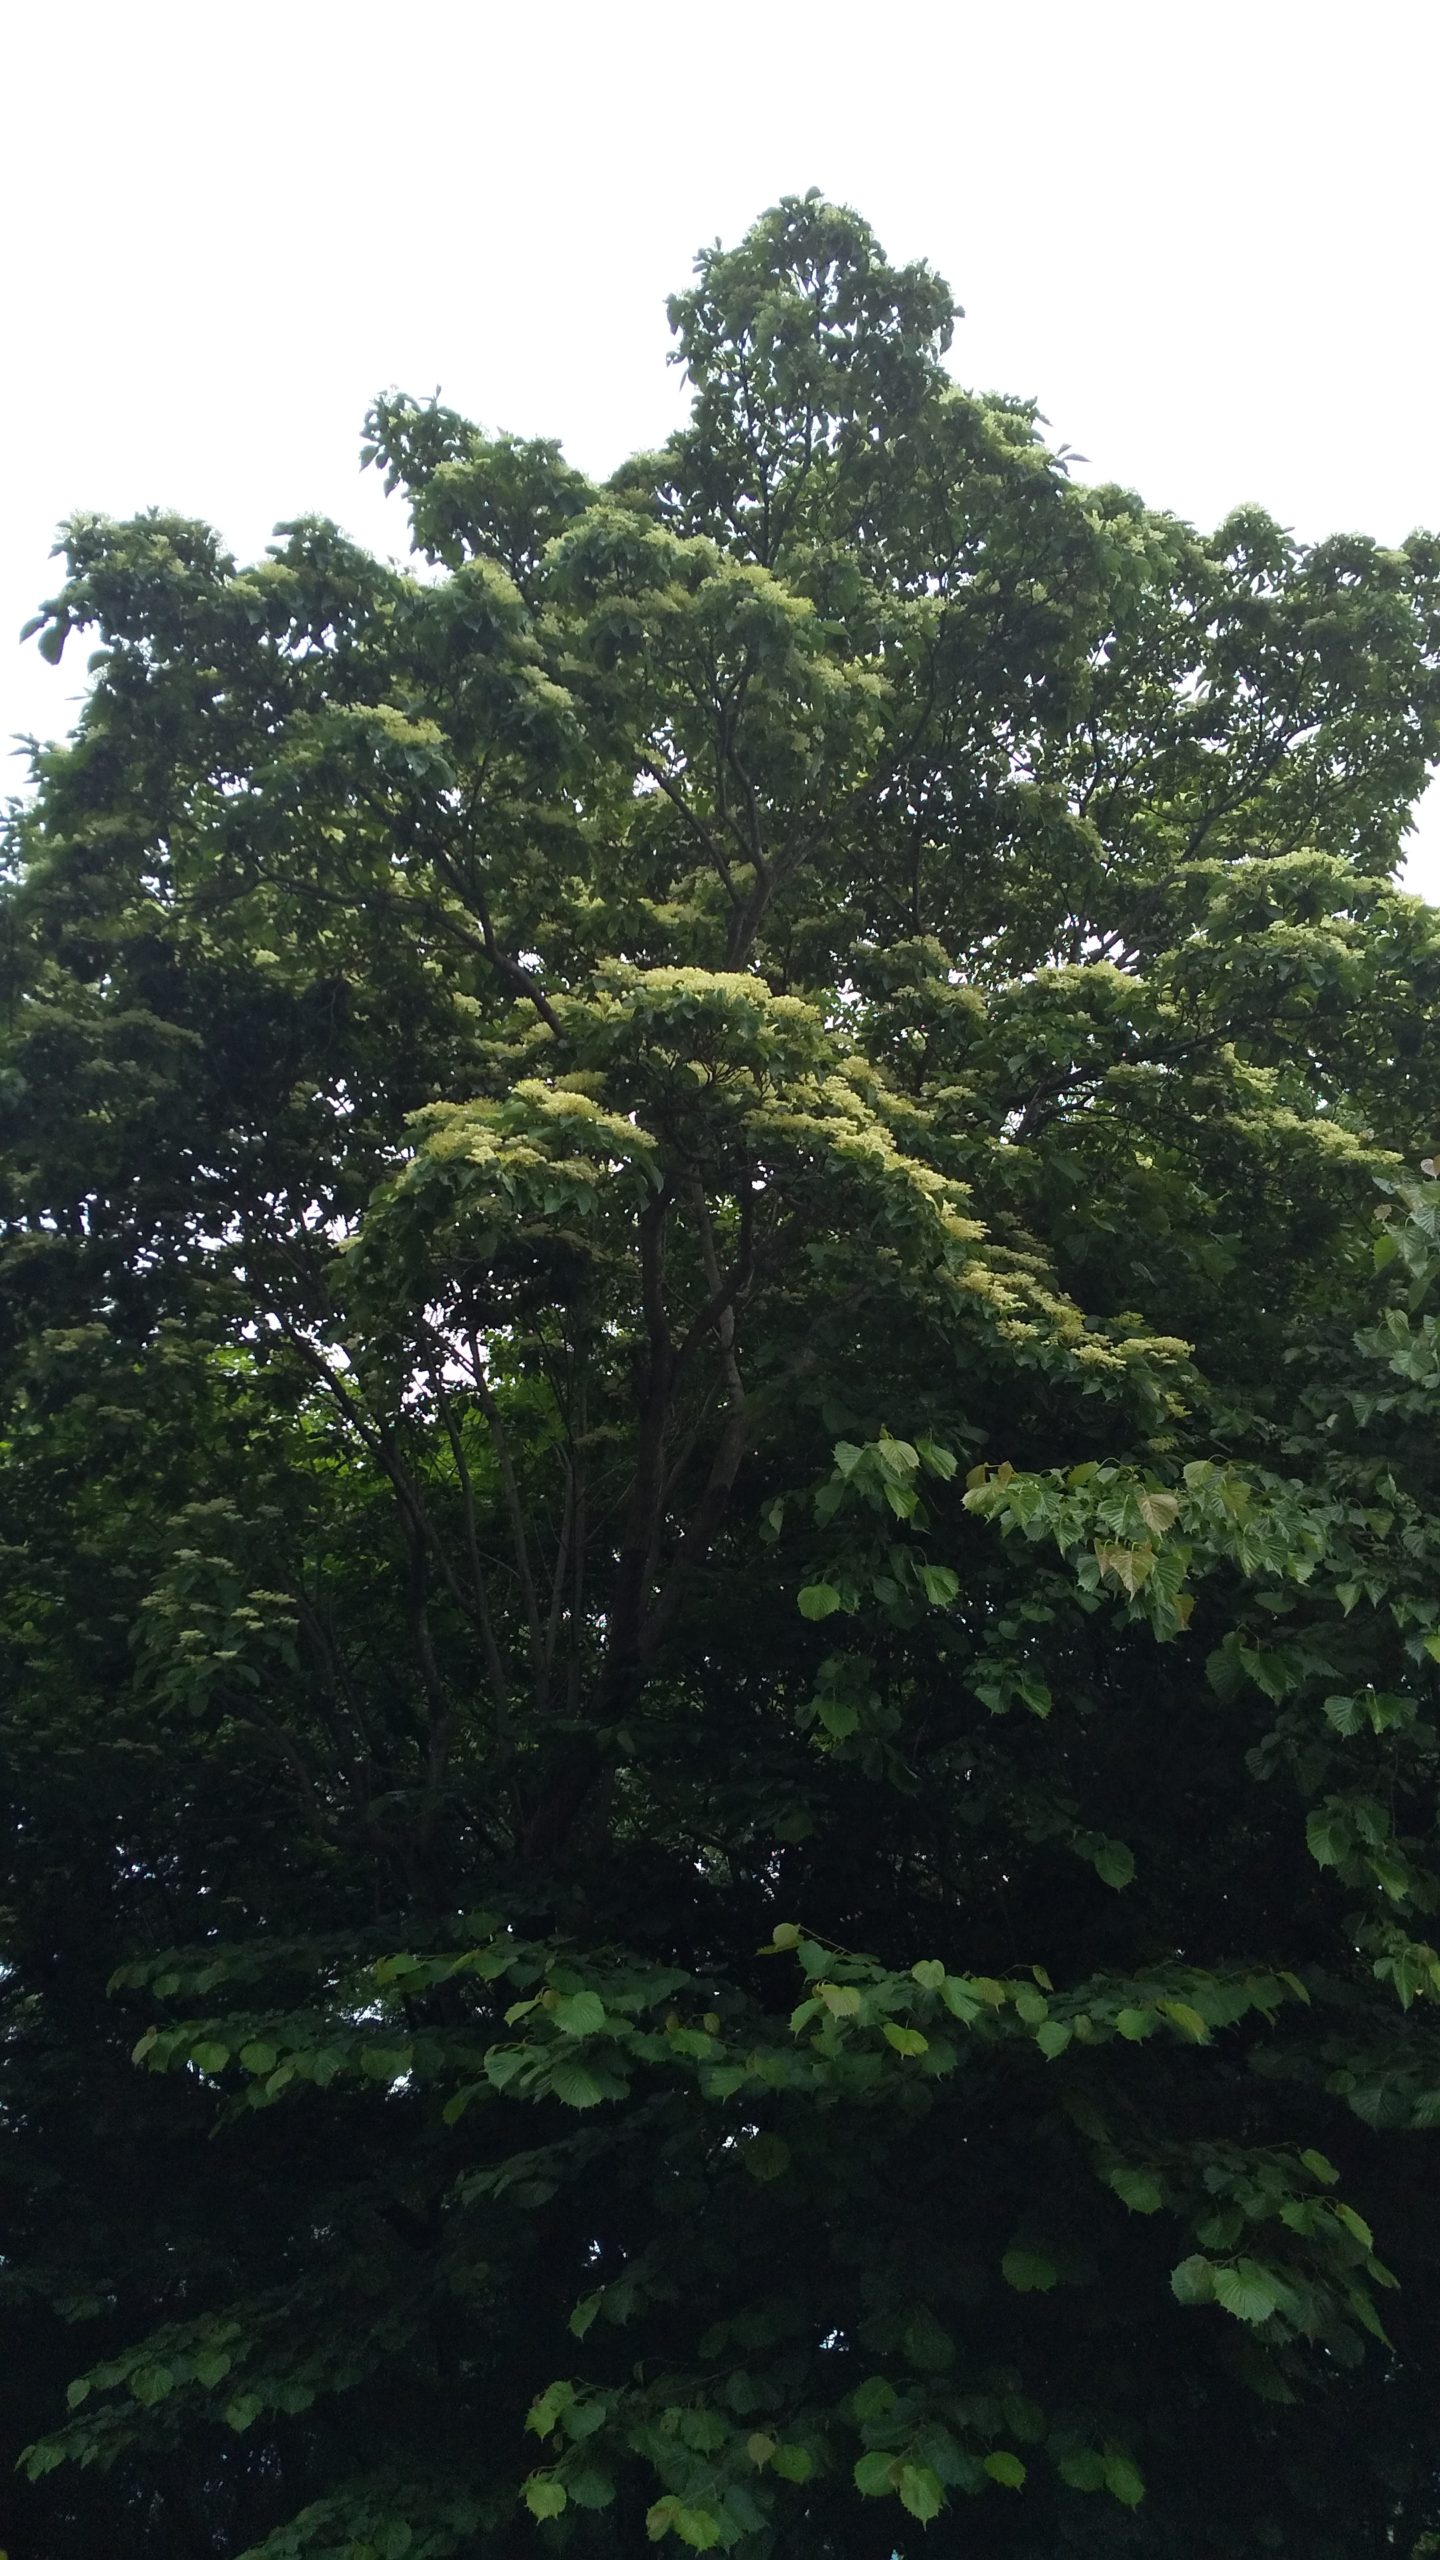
721 1606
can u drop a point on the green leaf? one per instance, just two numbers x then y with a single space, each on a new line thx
1114 1864
589 2486
1320 2168
150 2383
259 2058
1188 2020
1245 2290
1327 1836
544 2414
767 2157
939 1584
579 2013
544 2495
1193 2280
906 2040
575 2086
1006 2468
876 2475
1140 2189
792 2462
1123 2480
1028 2272
929 1973
872 2399
1052 2036
920 2492
210 2056
697 2528
387 2062
819 1600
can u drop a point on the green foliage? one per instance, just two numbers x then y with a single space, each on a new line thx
721 1607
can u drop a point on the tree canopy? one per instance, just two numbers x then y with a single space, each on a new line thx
721 1604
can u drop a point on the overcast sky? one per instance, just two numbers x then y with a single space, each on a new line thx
1204 237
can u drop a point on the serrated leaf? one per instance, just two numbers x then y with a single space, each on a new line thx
1320 2168
818 1600
697 2528
545 2496
579 2013
1123 2480
1188 2020
1006 2468
387 2062
1193 2280
767 2157
589 2486
872 2399
575 2086
1327 1837
544 2413
1026 2271
1140 2189
921 2495
1245 2290
875 2474
792 2462
1114 1864
906 2040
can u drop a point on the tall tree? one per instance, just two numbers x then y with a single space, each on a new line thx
722 1586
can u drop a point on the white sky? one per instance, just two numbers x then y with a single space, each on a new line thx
1204 236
